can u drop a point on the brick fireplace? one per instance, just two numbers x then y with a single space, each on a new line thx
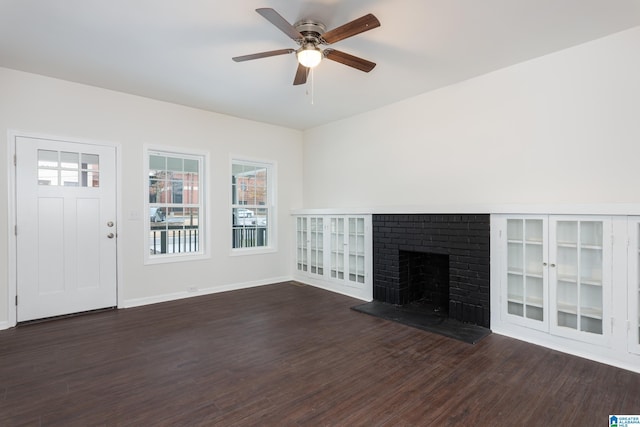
439 259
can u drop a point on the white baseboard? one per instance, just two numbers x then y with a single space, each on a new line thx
355 293
137 302
626 361
4 325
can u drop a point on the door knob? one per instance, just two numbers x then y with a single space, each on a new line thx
111 235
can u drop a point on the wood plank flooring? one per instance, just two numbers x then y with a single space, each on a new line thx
289 355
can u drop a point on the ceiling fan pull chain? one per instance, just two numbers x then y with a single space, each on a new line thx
312 85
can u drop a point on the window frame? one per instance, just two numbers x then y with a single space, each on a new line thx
270 206
203 205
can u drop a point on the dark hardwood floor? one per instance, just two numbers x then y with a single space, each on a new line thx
289 354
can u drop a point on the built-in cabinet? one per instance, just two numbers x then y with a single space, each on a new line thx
334 252
556 274
634 284
570 282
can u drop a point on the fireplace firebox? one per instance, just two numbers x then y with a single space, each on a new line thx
425 276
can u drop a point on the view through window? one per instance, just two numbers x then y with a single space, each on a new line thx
251 204
175 205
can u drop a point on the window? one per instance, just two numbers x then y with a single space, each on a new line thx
175 208
251 204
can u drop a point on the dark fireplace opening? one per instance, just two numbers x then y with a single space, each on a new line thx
425 276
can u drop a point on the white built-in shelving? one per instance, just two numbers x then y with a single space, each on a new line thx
571 282
345 266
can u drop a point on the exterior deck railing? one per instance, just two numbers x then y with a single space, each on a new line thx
175 239
249 236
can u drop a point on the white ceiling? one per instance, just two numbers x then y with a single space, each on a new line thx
180 50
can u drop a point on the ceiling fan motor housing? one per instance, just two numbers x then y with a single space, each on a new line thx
311 30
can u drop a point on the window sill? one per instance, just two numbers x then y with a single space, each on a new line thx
164 259
252 251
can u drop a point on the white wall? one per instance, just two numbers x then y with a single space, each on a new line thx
564 128
37 104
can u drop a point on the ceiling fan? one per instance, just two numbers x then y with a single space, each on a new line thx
310 35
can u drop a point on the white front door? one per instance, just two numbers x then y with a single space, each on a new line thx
66 230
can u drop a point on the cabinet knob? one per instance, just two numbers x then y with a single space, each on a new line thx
553 265
544 264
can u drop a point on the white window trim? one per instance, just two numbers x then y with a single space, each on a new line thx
273 214
205 234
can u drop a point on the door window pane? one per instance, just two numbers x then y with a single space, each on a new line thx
69 169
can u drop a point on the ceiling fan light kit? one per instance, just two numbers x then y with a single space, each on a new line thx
309 56
310 35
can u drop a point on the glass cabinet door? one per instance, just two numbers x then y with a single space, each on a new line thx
578 266
302 263
356 250
337 248
316 243
526 290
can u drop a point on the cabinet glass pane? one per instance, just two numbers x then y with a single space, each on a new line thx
515 257
567 263
591 266
360 266
515 287
534 291
567 299
591 233
514 229
360 244
567 232
589 324
591 301
533 262
352 268
515 294
533 230
568 320
517 309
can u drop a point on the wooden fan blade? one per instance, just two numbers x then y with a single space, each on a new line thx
350 60
283 25
301 75
357 26
262 55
